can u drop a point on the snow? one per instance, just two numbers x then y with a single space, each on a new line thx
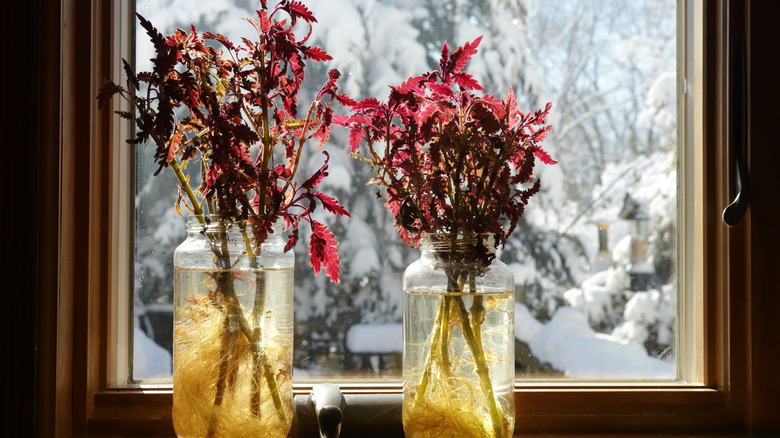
569 344
364 258
595 297
524 272
150 361
649 308
621 253
661 103
526 325
377 43
363 261
375 338
338 177
171 228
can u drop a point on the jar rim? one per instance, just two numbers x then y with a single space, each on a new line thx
215 221
463 243
460 238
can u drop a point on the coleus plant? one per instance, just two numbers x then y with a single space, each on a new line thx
239 102
457 162
451 161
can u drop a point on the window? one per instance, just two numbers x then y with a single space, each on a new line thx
733 384
614 117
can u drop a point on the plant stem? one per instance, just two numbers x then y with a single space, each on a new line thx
268 371
445 333
185 185
440 340
257 315
226 286
435 344
472 332
235 316
301 142
482 368
477 317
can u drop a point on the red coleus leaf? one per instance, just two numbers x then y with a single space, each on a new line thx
200 104
331 204
444 58
265 22
355 137
368 104
467 81
462 56
344 100
323 251
544 157
132 79
219 38
156 37
298 10
292 239
175 141
329 89
316 54
322 133
314 180
440 90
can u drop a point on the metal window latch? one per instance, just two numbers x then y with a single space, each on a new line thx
740 188
324 411
325 404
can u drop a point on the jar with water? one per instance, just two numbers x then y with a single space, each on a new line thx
233 332
458 354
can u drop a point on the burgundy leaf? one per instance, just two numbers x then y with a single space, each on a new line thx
467 81
316 54
106 92
331 204
132 79
544 157
463 54
323 251
314 180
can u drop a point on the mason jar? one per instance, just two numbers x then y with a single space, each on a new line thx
233 332
458 353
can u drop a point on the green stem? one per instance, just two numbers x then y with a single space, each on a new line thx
266 364
483 371
257 313
445 333
185 185
226 285
477 317
301 141
435 344
234 314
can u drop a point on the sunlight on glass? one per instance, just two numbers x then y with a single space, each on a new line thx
594 256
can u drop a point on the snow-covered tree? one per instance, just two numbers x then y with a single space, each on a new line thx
608 67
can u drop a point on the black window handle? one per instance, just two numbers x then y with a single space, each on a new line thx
740 188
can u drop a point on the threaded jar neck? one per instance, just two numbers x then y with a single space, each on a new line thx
459 247
209 223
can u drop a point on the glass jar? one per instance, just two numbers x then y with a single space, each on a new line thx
233 332
458 354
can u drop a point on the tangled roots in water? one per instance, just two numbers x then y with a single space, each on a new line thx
203 345
451 407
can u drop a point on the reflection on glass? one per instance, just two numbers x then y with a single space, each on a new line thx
594 256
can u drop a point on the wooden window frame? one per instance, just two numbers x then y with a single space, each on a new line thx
734 371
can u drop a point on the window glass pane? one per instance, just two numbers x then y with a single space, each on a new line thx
594 257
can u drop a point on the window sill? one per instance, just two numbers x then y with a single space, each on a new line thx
551 410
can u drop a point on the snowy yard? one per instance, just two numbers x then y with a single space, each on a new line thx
614 116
